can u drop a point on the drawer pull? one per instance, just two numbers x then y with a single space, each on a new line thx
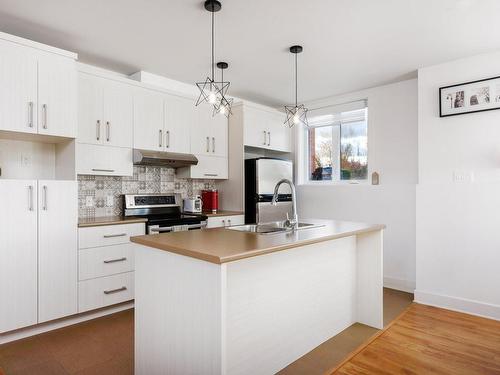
123 288
211 174
102 170
115 235
115 260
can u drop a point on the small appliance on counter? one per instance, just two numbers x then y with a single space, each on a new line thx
210 200
193 205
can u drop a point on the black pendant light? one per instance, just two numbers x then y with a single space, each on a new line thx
224 104
296 114
211 91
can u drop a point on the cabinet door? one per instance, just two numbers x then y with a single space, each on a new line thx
180 117
218 135
278 133
201 130
57 249
57 91
18 89
18 254
210 167
103 160
90 109
255 127
118 114
149 120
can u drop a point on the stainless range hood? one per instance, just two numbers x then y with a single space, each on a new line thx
163 159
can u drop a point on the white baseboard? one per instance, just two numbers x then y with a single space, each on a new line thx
63 322
485 310
407 286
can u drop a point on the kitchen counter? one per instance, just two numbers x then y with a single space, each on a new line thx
221 245
108 220
219 301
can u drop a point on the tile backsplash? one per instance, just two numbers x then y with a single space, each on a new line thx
101 195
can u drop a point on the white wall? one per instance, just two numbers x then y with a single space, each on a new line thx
392 152
458 236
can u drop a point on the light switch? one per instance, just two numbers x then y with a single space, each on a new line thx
89 201
463 176
110 201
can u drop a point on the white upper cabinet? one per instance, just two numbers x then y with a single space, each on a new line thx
180 116
149 120
37 90
57 103
105 112
57 249
209 133
118 114
266 129
18 88
18 254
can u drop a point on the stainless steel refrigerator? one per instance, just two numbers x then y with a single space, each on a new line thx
261 176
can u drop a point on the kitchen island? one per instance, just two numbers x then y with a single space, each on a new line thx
224 301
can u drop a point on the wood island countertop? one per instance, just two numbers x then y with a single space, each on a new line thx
222 245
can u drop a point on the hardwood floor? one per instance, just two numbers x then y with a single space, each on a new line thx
429 340
425 340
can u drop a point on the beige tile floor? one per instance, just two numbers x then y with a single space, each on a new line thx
106 346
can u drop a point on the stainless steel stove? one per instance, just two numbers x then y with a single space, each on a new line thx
163 212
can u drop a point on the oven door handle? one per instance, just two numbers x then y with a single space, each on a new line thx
170 229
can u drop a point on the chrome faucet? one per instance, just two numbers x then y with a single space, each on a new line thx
291 223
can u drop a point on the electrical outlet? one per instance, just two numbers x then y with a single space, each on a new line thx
463 176
89 201
110 201
26 160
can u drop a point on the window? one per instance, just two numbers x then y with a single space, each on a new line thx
337 146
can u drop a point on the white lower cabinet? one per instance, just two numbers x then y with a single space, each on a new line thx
38 250
18 254
57 249
103 160
106 265
105 291
225 221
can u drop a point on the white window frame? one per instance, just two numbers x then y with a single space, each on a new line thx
302 147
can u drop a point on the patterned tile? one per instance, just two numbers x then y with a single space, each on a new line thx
145 180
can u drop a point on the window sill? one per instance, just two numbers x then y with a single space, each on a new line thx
335 183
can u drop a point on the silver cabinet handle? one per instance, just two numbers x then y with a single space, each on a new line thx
44 116
269 138
30 114
167 139
98 130
213 144
229 222
44 207
208 144
123 288
108 131
160 143
115 235
265 138
115 260
211 174
102 170
30 198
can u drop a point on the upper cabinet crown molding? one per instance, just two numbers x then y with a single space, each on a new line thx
39 46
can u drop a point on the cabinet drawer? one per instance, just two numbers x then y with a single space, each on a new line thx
105 261
108 235
105 291
225 221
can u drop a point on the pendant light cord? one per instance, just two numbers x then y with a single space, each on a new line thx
213 57
296 81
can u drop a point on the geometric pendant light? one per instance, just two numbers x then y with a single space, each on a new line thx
296 114
223 104
211 91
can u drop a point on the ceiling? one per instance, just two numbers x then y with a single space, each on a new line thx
348 44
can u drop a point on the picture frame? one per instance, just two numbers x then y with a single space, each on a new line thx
469 97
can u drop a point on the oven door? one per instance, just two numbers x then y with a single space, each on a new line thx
157 229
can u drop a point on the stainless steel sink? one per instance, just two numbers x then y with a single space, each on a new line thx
274 227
